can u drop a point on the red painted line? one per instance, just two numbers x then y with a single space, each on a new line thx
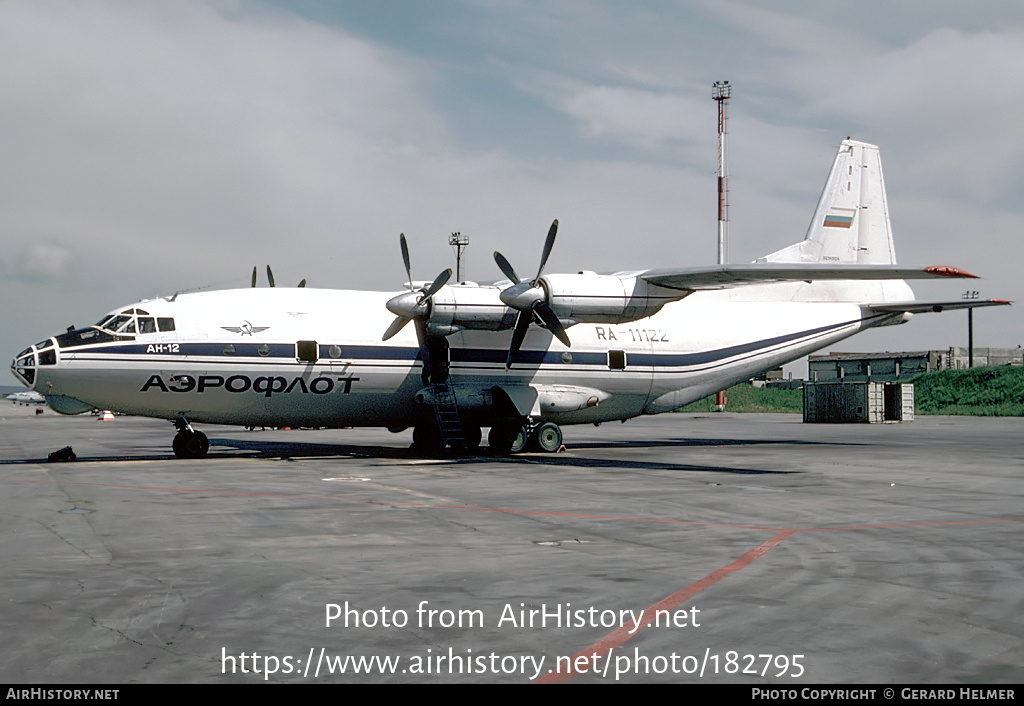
582 661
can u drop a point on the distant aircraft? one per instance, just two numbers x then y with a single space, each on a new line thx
522 356
26 398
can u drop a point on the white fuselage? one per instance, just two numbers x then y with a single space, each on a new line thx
308 357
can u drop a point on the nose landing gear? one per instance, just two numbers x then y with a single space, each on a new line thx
189 443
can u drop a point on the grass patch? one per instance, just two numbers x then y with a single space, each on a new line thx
983 392
747 398
987 392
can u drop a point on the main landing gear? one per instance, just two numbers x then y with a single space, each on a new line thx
514 437
189 443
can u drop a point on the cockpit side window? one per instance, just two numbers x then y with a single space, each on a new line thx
165 323
147 324
117 322
85 336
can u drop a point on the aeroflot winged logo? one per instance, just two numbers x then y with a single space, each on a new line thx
245 329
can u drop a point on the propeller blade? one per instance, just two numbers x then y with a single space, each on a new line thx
548 244
302 283
405 258
270 276
397 325
254 277
505 267
421 337
522 324
439 282
543 309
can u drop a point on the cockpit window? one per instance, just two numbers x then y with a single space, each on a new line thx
165 323
117 322
147 324
84 337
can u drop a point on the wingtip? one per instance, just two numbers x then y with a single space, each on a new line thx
947 271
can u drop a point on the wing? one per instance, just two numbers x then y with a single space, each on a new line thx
725 276
915 307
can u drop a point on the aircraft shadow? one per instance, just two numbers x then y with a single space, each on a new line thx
222 447
263 449
654 443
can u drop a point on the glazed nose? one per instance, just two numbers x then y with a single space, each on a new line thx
24 367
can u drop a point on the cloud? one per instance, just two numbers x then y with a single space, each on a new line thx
38 260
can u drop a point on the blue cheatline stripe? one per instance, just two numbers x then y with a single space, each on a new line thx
471 355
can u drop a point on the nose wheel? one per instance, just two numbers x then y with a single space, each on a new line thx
189 443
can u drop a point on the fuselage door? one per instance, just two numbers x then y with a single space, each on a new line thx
307 351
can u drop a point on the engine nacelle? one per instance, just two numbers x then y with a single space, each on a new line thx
588 297
468 306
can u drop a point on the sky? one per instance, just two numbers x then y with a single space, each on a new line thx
152 146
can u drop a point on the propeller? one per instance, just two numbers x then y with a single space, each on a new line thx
414 304
530 300
270 278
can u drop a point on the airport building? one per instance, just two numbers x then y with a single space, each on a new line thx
901 367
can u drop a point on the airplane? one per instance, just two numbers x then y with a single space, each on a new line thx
522 357
27 397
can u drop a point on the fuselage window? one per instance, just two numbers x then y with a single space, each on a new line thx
165 323
617 360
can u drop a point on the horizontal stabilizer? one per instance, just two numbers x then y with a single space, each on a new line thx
916 307
725 276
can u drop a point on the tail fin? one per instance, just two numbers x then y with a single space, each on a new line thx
851 223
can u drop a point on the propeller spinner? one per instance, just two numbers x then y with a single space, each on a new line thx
414 304
530 300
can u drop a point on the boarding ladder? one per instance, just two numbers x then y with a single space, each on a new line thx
447 411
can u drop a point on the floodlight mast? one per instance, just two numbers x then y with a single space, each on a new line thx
721 91
459 242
